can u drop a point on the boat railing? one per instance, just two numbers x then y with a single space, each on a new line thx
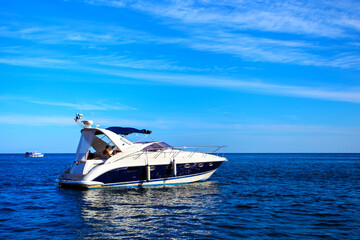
213 150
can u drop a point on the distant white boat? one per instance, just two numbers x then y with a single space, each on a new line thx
33 154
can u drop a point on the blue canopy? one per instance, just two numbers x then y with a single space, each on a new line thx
127 131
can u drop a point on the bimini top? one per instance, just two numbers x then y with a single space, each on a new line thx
127 131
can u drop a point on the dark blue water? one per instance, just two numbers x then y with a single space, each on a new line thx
253 196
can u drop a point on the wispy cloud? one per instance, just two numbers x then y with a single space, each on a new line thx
44 58
233 27
206 26
315 18
34 120
148 123
79 33
40 120
36 62
244 47
149 64
254 48
91 64
275 129
201 38
344 95
100 106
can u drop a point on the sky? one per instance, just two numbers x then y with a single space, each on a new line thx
258 76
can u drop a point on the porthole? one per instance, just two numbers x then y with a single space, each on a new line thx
187 165
152 168
210 164
201 164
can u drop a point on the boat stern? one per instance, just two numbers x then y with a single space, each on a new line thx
74 176
79 184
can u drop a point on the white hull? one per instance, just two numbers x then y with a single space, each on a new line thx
143 183
35 154
134 164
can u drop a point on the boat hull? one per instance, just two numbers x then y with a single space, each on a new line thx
34 155
142 183
137 176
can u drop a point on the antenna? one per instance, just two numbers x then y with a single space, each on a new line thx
77 119
84 123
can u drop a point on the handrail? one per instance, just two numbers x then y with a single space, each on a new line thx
221 146
217 148
176 150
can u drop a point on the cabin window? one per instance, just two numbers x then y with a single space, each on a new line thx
201 164
152 168
210 164
187 165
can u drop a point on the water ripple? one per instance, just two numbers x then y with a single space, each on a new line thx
254 196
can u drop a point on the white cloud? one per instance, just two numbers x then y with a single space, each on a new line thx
33 120
77 33
315 18
277 129
220 26
219 38
38 120
141 124
84 106
245 47
36 62
100 106
344 95
255 48
127 62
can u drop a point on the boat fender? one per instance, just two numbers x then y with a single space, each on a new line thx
174 167
148 173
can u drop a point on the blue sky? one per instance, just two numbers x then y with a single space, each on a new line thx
257 76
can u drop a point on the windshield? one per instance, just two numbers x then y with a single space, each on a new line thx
157 147
92 146
84 145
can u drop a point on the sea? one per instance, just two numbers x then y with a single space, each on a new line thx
252 196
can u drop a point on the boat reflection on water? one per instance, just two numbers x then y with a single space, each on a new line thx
150 212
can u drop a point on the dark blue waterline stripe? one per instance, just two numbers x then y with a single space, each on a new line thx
158 180
159 172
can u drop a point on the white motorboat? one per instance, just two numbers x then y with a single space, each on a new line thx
107 158
33 154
